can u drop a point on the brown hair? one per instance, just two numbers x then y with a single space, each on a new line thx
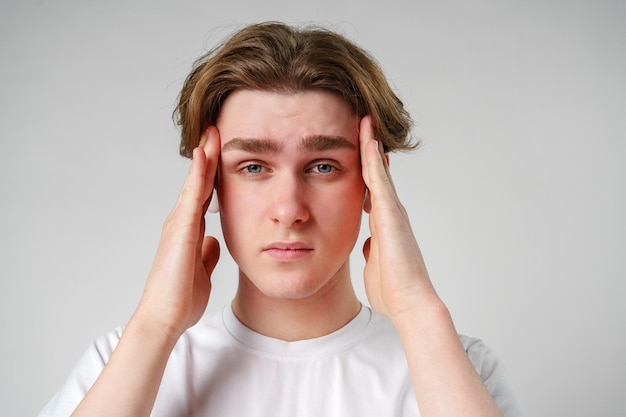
272 56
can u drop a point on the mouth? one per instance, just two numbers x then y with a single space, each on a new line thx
288 250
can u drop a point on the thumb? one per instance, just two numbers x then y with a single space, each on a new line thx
210 253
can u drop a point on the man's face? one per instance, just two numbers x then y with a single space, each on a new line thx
290 189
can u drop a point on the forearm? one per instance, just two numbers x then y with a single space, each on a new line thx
129 382
444 379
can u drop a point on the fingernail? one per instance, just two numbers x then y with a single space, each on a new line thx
203 139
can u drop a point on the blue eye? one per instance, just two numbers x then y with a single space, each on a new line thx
253 169
324 168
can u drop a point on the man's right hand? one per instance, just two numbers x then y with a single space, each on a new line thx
178 287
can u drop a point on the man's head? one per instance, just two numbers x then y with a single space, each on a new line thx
290 189
279 58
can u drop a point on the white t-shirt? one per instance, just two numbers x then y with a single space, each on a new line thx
221 368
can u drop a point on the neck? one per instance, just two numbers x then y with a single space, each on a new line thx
322 313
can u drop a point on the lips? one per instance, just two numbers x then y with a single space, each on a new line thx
288 250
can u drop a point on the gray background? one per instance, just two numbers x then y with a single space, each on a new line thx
517 197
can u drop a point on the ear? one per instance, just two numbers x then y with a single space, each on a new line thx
214 205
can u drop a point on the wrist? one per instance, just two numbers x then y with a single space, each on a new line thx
423 315
144 327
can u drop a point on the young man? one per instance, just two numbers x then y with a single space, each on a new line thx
291 128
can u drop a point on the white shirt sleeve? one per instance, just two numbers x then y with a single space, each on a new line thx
82 376
492 373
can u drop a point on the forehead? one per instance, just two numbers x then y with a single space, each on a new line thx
285 118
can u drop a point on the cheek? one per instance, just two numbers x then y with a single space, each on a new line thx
233 197
345 207
236 211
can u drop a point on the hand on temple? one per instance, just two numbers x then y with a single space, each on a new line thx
178 287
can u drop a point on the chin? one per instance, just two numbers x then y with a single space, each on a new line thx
295 289
286 287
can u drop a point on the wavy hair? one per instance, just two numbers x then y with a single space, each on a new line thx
275 57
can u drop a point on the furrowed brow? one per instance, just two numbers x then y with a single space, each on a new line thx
252 145
323 143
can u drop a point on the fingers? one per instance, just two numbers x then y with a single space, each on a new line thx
193 195
198 186
374 164
211 148
366 136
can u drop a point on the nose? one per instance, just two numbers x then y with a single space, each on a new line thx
289 201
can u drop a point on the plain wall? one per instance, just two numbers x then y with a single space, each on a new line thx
517 196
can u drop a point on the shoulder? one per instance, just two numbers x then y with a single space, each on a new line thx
483 357
492 372
382 334
83 375
93 360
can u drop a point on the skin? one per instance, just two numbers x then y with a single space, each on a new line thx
294 272
290 170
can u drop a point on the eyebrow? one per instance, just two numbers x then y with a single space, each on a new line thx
252 145
323 143
309 144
